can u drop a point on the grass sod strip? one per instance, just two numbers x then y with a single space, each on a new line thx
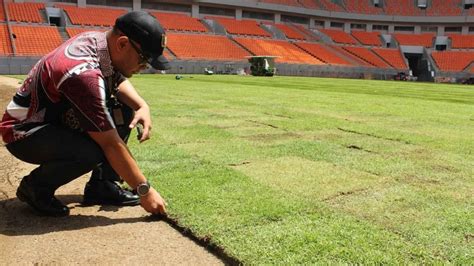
302 170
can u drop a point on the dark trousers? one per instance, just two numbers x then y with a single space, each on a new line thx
64 154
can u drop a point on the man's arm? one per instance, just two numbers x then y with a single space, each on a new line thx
129 96
121 160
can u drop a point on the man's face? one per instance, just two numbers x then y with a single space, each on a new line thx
132 59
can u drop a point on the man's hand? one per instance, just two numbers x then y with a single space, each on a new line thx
152 202
142 116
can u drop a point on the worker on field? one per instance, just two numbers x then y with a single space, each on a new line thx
74 113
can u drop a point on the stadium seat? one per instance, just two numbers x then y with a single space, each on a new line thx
283 2
35 40
241 27
423 39
309 34
368 38
2 12
402 8
392 56
356 60
323 53
361 7
445 8
289 31
25 12
204 47
5 43
462 41
330 6
179 22
366 55
285 51
74 31
92 16
339 36
453 61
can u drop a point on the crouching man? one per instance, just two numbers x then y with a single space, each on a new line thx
74 113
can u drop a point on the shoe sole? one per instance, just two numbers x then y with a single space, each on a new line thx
24 198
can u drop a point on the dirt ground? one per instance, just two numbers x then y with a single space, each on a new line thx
90 235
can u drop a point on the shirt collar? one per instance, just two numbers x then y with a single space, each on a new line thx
104 56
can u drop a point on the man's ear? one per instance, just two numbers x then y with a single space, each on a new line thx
121 43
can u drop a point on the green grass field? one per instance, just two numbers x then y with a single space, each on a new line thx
309 170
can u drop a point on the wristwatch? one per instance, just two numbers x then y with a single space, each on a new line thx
143 188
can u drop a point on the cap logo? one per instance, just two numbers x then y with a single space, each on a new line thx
163 41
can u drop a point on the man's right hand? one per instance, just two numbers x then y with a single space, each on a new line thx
152 202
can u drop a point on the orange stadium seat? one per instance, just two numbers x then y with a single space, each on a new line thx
339 36
5 43
178 22
35 40
2 11
445 8
329 5
462 41
323 53
92 16
201 46
357 60
241 27
402 8
289 31
309 34
74 31
283 2
25 12
285 51
366 55
361 7
424 39
392 56
367 38
454 61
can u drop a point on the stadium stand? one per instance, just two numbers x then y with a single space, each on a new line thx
92 16
2 12
323 53
367 38
283 2
25 12
339 36
444 8
286 52
309 35
454 61
312 4
356 60
392 56
241 27
204 47
366 55
402 8
178 22
35 40
462 41
5 43
423 39
289 32
362 6
329 5
74 31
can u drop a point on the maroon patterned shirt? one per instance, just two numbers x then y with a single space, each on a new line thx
75 76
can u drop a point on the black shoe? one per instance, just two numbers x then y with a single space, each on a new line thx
43 203
108 192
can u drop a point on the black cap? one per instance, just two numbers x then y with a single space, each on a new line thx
144 29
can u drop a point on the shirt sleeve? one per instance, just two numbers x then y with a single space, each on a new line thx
86 93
